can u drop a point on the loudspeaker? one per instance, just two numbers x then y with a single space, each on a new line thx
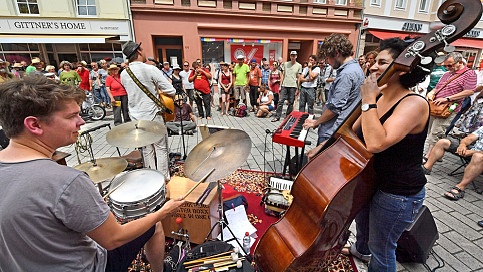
416 242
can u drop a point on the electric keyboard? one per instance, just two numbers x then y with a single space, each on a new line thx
291 131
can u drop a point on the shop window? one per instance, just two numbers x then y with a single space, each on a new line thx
86 7
27 7
400 4
17 52
424 6
212 52
375 3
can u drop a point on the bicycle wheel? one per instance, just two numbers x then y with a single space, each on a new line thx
96 112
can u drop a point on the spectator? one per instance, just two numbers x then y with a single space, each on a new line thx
118 95
241 77
16 70
456 84
31 68
187 85
438 71
4 73
370 60
95 82
84 75
69 76
275 79
290 74
103 73
167 71
308 80
225 83
265 102
200 78
254 83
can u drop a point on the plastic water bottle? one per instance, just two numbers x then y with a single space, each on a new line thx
246 243
453 107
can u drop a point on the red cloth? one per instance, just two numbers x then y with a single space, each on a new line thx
255 74
115 85
84 75
201 82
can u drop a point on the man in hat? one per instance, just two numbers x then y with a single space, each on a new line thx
142 107
35 65
241 73
290 74
17 70
61 222
4 73
167 71
84 75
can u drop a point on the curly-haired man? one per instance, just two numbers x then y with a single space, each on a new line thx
344 93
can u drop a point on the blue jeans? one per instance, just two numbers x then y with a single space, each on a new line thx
381 223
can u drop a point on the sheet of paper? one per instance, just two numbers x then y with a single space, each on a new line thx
239 224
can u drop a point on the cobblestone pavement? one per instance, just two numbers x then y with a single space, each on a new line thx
460 241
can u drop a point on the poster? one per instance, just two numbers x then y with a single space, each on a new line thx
250 52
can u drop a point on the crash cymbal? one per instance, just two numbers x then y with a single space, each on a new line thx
103 169
136 134
225 151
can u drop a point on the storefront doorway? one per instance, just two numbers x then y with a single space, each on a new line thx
169 49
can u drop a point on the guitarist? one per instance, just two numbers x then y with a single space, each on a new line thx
393 125
142 107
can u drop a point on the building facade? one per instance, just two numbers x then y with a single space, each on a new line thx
57 30
218 30
413 18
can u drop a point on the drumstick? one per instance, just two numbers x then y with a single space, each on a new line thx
115 188
198 183
235 250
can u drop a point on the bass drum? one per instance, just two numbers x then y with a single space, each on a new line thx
140 192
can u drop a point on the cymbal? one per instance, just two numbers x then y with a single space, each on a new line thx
224 151
105 168
136 134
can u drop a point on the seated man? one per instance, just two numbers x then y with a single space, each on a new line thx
182 111
61 222
472 170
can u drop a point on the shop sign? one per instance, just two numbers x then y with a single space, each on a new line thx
412 27
473 34
55 26
250 52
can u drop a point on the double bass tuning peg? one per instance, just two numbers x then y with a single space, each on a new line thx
414 51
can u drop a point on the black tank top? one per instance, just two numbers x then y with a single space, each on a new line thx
398 168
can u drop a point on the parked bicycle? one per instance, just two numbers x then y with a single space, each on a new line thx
91 110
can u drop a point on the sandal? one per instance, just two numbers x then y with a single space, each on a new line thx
452 195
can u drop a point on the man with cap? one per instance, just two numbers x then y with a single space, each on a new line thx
254 82
141 107
290 73
167 71
241 76
4 73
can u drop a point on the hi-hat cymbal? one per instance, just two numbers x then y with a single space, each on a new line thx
224 151
136 134
103 169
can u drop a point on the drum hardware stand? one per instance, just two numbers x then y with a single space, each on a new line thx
181 122
221 222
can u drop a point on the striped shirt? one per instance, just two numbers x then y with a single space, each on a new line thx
467 81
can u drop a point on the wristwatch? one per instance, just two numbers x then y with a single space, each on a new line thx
366 107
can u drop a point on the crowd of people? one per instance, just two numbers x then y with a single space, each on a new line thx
395 125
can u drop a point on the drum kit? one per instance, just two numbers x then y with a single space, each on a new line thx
136 193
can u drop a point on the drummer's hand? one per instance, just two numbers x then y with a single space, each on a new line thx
172 205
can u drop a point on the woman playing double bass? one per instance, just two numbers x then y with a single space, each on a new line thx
393 125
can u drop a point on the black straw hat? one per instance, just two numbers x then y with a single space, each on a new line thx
130 48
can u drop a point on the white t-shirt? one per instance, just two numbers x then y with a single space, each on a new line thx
305 74
184 76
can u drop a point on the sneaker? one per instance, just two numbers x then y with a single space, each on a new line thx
269 115
426 171
362 257
275 119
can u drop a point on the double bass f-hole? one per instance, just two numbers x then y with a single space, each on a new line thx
459 17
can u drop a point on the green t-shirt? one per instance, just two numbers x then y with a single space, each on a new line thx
70 78
291 73
30 69
240 73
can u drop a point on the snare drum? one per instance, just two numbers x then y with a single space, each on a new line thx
142 192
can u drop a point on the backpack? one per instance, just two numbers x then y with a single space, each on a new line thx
241 110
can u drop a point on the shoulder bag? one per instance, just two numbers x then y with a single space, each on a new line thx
441 110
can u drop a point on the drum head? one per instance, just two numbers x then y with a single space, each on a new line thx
137 185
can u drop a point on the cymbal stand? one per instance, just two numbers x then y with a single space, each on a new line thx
181 122
221 222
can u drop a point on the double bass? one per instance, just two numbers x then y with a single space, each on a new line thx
332 188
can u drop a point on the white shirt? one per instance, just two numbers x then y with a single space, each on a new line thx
184 76
313 83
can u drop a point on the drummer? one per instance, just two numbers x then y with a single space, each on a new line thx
52 218
142 107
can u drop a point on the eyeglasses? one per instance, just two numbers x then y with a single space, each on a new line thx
186 65
448 65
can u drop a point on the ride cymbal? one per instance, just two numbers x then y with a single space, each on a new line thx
136 134
103 169
225 151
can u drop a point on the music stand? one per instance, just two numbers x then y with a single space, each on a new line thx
221 221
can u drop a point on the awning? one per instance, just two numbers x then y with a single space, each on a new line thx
53 39
462 42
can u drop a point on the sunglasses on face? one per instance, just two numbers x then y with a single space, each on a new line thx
449 65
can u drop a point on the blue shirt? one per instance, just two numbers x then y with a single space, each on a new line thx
344 96
265 75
